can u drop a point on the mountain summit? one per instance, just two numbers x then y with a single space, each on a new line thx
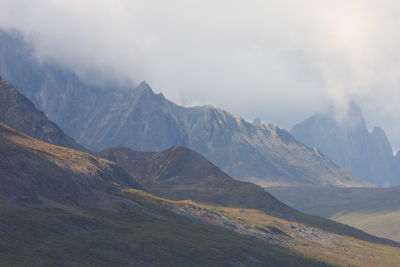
348 143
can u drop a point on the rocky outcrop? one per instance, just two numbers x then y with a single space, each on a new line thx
349 144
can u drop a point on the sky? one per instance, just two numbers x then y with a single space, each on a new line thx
279 61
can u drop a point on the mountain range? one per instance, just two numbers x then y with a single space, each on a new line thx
100 118
61 206
349 144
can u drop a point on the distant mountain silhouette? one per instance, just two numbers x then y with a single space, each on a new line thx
349 144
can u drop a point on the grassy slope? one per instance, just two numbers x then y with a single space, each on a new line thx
374 210
90 237
39 237
334 249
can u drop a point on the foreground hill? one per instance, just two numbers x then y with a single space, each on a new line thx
87 212
17 111
100 118
374 210
349 143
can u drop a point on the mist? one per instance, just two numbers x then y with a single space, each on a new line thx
280 61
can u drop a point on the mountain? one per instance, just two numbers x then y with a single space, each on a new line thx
374 210
349 144
17 111
138 118
180 173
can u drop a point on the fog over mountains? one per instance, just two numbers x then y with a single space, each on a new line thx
264 59
140 119
349 143
104 117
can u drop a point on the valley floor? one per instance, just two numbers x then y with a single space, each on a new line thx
373 210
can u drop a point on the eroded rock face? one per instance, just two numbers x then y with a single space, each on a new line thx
348 143
138 118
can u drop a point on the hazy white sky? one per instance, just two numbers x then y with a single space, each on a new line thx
279 61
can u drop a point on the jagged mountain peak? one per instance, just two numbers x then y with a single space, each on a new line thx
145 90
354 109
348 116
144 87
351 145
378 131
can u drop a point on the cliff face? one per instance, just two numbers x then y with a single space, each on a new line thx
142 120
369 155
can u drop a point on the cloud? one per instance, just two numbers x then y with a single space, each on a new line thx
276 60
